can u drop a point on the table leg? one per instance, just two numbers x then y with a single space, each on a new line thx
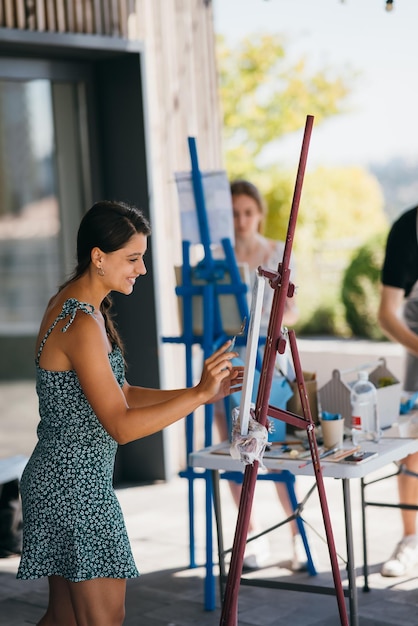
364 532
351 571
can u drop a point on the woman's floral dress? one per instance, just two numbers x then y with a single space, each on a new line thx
72 522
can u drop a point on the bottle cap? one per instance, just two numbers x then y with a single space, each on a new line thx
363 375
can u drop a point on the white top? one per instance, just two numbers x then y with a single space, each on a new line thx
389 450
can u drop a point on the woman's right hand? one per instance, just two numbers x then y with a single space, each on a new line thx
218 374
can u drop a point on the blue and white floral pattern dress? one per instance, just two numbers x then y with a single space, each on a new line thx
73 525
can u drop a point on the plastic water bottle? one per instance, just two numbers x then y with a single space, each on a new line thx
364 417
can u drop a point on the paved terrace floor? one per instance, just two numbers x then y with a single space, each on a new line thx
169 593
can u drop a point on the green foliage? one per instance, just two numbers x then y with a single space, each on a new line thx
336 203
361 289
340 209
265 96
327 319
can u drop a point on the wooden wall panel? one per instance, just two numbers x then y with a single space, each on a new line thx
40 15
9 14
61 16
97 17
180 97
20 14
50 15
181 100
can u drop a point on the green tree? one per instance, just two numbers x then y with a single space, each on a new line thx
340 209
361 288
265 96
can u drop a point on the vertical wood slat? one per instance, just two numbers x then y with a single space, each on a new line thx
123 19
9 14
78 16
114 18
132 31
30 14
40 15
20 14
111 17
97 17
88 17
107 29
60 16
69 13
51 22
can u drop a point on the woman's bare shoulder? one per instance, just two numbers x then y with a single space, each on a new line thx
67 306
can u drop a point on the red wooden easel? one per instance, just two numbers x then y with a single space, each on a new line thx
280 281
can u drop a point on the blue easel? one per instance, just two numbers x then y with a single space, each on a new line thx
211 274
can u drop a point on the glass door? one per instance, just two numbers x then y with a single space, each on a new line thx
44 187
30 224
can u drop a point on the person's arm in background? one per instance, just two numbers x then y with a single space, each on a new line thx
398 277
390 320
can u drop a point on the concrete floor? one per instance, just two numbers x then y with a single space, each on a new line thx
170 593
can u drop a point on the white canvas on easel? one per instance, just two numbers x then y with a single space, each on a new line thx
218 204
251 352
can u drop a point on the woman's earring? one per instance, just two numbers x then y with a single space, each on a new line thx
100 271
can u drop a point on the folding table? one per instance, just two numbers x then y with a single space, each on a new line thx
388 450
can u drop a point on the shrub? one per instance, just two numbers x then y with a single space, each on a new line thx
360 291
326 319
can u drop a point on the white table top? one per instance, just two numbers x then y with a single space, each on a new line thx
217 457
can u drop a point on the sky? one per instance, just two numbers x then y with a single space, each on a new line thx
359 35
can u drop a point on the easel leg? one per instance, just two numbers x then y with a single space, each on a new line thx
331 546
280 282
319 481
229 615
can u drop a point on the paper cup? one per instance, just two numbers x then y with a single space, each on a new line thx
332 433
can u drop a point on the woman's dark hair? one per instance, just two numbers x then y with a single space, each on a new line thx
108 225
242 187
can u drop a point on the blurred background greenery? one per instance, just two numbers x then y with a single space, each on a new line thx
342 226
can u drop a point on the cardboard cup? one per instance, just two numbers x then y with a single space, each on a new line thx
332 433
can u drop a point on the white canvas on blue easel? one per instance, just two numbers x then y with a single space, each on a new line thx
218 204
251 352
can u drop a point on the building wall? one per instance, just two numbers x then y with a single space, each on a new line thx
181 100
